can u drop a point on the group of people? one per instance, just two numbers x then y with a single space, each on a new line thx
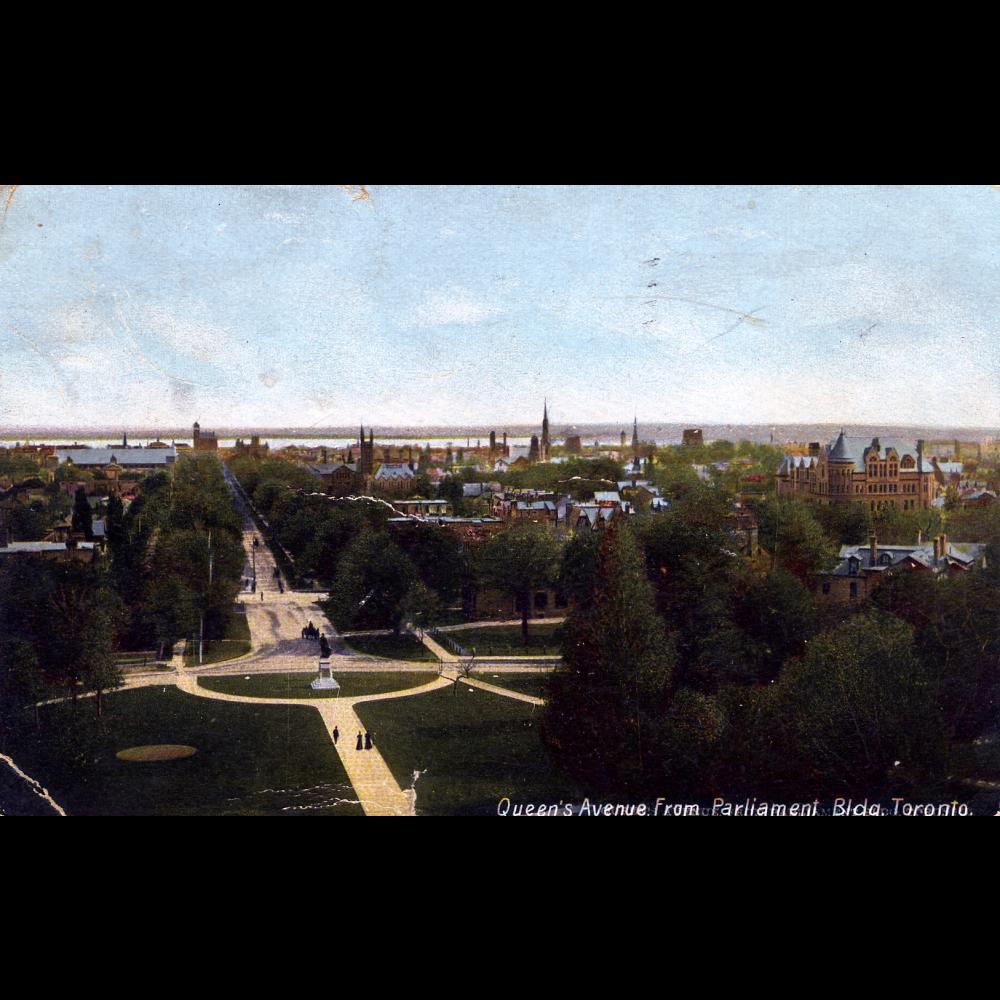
363 744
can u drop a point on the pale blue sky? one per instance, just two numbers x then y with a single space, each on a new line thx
298 306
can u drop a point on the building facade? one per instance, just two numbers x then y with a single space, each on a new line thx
886 472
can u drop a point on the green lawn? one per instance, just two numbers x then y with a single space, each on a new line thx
393 647
472 747
505 640
534 684
297 685
272 760
236 642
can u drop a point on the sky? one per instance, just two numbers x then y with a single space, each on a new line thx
332 306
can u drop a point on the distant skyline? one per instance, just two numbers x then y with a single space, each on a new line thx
413 306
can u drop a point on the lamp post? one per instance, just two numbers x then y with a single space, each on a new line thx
201 637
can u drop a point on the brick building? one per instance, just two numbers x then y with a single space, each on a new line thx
886 472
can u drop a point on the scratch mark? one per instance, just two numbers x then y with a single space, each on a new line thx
653 262
743 317
42 793
864 333
10 189
326 496
64 385
357 192
139 351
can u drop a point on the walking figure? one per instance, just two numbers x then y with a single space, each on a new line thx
262 597
360 744
336 735
368 740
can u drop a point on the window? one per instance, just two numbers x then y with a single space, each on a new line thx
854 591
541 600
826 587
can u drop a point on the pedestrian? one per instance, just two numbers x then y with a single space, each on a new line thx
360 744
368 740
262 597
336 735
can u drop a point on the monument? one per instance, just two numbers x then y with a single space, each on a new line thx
325 680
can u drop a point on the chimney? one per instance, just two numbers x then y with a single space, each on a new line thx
873 546
937 547
944 545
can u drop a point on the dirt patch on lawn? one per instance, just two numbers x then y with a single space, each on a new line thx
157 751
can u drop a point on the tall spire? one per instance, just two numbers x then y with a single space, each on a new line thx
635 432
545 433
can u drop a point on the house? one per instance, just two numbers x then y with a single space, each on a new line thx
471 491
860 568
396 478
537 511
424 508
338 478
977 498
591 517
70 550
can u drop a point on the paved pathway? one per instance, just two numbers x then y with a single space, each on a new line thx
276 624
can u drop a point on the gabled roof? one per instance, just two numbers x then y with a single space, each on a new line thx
394 470
856 449
124 456
329 468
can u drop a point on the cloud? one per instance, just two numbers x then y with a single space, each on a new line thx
457 306
203 341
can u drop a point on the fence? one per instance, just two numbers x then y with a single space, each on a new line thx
450 644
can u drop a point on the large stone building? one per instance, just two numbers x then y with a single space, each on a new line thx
882 472
203 440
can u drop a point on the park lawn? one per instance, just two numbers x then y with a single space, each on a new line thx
536 684
392 647
265 760
503 640
471 747
236 642
297 685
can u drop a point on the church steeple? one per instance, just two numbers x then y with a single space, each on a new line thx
545 433
635 435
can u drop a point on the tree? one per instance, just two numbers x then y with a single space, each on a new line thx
85 613
518 561
372 584
793 536
450 489
601 716
860 707
779 615
578 572
83 518
439 559
21 682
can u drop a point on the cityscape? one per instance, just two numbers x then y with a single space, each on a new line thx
499 502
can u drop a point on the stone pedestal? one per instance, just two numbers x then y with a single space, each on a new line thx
324 679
